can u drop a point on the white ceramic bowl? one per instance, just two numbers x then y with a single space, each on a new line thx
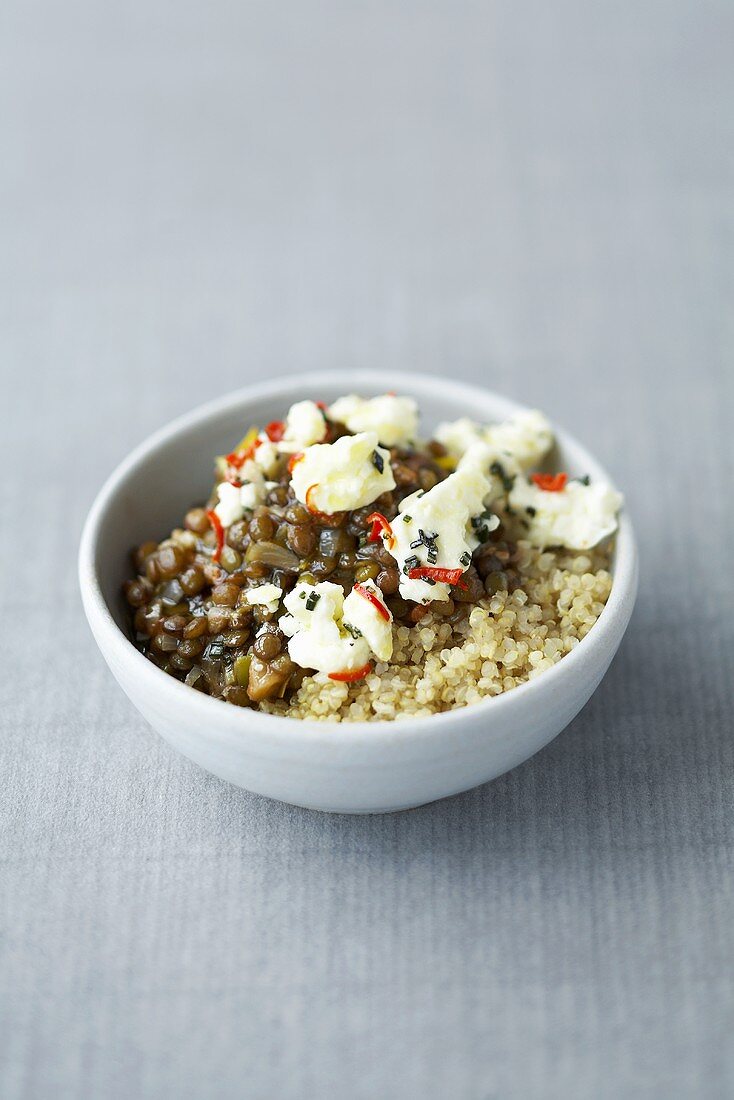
348 767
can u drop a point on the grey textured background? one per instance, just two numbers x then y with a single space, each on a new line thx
537 196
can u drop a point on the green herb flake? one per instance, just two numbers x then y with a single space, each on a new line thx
499 471
410 563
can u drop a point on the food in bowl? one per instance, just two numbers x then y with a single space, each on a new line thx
345 569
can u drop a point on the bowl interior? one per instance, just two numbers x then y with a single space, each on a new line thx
172 471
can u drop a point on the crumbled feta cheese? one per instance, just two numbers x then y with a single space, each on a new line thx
314 626
235 500
267 455
305 424
375 626
229 509
444 516
252 493
395 419
343 475
527 436
457 435
266 595
577 517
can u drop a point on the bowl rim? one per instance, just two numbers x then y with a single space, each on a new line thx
232 721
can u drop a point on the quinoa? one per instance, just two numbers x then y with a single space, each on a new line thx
502 641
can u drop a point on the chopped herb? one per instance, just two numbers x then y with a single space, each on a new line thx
465 558
378 461
530 510
499 471
432 555
302 595
407 519
426 538
585 480
353 630
411 563
482 534
312 600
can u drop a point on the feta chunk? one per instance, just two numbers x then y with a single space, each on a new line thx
266 595
527 436
373 624
577 517
229 509
457 435
267 455
235 500
395 419
315 629
305 424
341 476
444 515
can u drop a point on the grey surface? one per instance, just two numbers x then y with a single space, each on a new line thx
535 196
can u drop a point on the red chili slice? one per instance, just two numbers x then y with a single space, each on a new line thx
294 460
374 600
379 524
436 573
550 483
233 481
218 531
349 676
321 405
239 458
275 430
324 516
